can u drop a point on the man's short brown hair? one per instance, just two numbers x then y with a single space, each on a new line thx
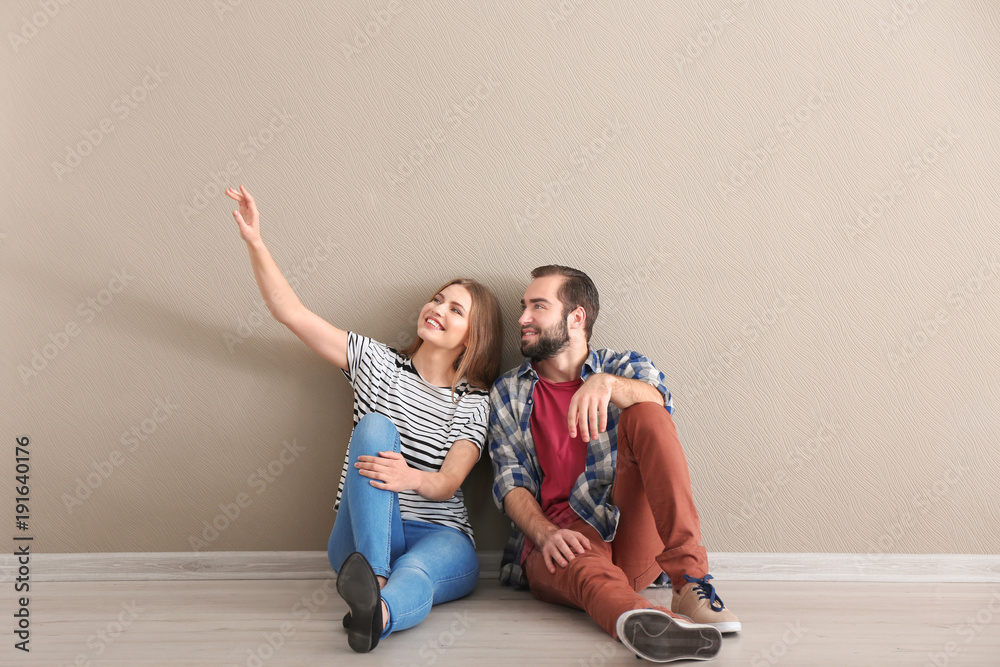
576 290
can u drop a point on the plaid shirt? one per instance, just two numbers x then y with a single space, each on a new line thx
515 462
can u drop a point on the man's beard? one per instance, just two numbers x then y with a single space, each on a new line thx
548 343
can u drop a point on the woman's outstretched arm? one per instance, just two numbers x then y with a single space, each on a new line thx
322 337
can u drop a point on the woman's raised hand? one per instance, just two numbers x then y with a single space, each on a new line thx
247 217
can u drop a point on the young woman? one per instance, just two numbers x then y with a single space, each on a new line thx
401 541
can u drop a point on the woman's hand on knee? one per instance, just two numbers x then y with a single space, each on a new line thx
389 471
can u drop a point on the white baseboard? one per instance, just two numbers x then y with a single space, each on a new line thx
724 566
914 568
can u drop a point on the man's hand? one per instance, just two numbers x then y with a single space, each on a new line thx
588 409
561 546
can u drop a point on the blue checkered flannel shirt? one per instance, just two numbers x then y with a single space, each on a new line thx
515 463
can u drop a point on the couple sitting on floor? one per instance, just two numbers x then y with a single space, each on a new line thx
585 454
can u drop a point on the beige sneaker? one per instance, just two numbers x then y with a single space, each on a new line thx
698 601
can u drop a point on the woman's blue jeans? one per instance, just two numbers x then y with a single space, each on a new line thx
425 563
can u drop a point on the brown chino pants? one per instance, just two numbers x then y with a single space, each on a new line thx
658 528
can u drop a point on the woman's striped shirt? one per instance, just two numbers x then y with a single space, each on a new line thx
429 419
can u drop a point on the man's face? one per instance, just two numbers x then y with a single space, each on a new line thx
544 333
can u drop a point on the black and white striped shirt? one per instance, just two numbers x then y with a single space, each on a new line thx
427 417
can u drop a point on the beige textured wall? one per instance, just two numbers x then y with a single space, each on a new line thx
790 206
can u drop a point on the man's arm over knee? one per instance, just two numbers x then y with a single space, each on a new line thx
588 410
638 368
626 392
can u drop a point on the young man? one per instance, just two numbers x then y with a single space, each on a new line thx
589 468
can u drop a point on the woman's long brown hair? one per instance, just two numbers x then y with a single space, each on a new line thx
479 363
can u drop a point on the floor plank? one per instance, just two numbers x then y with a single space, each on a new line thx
297 622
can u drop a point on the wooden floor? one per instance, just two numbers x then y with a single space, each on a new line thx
265 622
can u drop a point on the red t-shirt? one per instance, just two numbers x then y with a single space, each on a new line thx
561 458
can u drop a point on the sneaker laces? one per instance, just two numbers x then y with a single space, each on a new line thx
706 591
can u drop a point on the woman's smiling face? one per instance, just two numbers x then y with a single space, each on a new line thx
444 320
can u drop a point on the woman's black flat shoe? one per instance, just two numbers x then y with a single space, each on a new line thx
357 584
